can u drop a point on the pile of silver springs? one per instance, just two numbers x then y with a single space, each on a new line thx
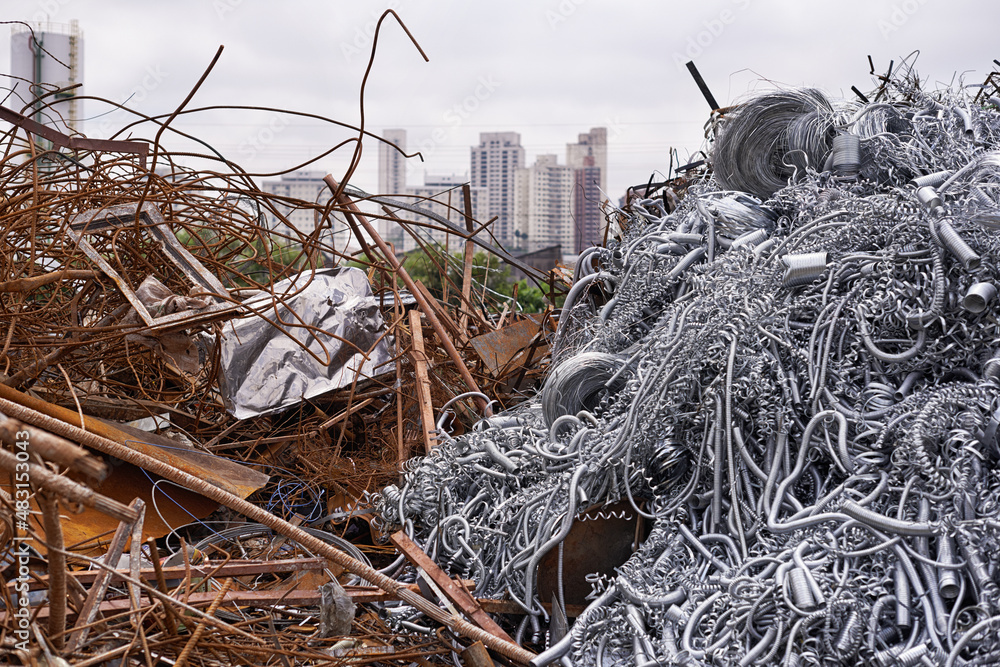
794 375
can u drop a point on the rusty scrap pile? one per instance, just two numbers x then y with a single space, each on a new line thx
184 391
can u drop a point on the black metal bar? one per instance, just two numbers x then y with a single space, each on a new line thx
702 85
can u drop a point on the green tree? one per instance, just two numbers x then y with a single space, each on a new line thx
431 267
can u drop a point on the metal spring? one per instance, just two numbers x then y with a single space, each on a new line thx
846 155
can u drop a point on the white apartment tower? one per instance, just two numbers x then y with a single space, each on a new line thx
391 163
544 205
494 165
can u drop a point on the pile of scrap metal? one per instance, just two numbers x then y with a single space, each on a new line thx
776 401
195 410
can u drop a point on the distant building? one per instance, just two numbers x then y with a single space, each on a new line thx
588 218
593 144
391 179
43 59
493 166
391 163
307 186
441 195
589 160
544 205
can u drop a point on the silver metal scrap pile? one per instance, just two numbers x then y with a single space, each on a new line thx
794 378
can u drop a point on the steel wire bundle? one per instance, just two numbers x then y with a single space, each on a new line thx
805 404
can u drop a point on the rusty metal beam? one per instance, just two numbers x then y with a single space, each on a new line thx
100 588
303 597
457 594
140 148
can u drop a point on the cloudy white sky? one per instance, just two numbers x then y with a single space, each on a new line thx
548 69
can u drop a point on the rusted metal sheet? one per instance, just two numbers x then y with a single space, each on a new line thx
223 473
600 540
88 531
498 349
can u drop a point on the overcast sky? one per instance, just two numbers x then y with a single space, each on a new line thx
548 69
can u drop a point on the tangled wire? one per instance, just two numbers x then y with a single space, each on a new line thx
797 383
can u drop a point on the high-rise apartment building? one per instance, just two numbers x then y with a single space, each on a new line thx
588 218
544 205
391 179
391 163
589 160
561 204
593 144
494 165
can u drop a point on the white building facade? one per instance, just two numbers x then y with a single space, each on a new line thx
544 205
494 164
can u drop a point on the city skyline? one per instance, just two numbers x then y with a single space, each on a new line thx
543 70
532 207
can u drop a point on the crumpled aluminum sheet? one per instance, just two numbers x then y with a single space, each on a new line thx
265 370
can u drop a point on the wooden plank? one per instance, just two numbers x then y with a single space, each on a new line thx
442 315
463 320
423 381
460 596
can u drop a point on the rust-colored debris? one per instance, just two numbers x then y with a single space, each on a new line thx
126 480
